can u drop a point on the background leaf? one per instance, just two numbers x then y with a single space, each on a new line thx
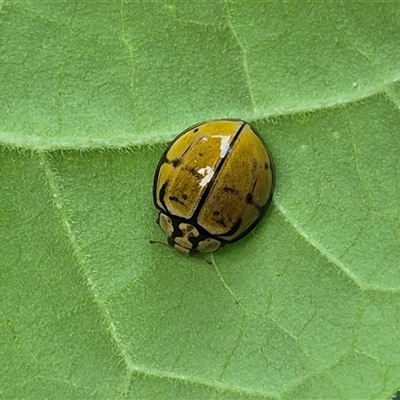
306 306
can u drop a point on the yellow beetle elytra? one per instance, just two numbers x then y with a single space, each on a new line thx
213 185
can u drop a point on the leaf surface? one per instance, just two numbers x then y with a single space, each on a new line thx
306 306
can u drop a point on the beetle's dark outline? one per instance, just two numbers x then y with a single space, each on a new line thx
203 233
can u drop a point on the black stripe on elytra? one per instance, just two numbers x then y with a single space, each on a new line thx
216 173
162 195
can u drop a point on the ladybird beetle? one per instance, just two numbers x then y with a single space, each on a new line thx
213 185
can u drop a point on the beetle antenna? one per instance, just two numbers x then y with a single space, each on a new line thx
157 242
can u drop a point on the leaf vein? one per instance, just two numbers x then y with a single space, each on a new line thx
55 188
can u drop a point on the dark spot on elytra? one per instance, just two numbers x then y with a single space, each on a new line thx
175 162
195 130
193 172
266 166
174 198
220 222
228 189
184 196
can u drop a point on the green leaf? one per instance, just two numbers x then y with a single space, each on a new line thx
306 306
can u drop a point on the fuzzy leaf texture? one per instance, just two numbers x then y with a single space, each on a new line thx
305 307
